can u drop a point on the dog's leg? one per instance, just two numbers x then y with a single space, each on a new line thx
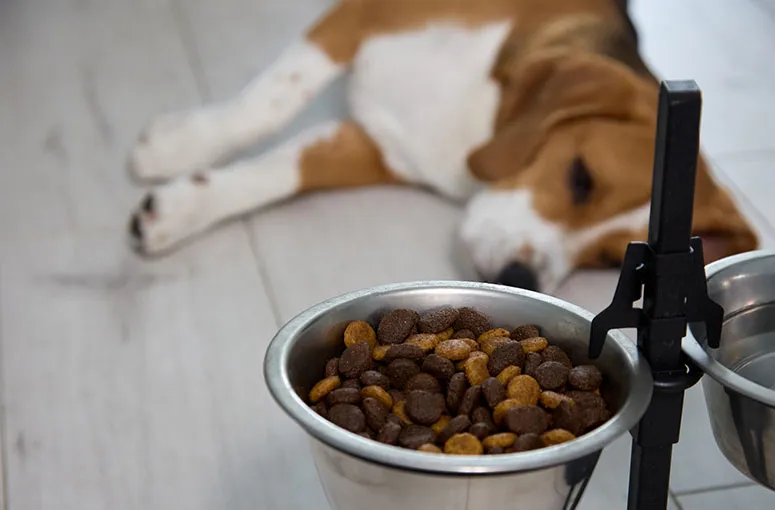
337 155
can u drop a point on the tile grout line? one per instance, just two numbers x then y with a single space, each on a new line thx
718 488
3 425
264 275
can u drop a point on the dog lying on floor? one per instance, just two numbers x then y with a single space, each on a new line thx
539 113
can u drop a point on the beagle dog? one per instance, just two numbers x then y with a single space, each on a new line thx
539 114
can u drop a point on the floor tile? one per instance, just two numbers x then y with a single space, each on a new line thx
743 498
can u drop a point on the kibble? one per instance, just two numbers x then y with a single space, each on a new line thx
448 381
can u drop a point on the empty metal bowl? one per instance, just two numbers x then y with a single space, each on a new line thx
360 474
740 375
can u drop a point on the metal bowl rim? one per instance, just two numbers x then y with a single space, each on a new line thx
279 385
717 371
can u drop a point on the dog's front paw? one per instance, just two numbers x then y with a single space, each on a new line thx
171 214
175 144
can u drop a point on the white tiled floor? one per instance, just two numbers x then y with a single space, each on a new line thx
131 384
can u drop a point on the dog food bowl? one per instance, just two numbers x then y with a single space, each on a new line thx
740 383
360 474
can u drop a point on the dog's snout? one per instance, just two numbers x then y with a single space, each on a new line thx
519 275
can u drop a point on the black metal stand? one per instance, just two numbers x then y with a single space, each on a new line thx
668 272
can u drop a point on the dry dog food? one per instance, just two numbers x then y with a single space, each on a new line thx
449 382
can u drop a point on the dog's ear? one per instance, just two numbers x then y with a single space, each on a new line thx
551 88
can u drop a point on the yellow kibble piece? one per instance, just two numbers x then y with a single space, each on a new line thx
536 344
379 352
503 440
359 331
499 413
445 335
507 374
524 389
557 436
489 345
323 388
552 399
399 409
476 370
461 365
378 393
426 341
463 444
498 332
441 424
454 349
429 448
471 343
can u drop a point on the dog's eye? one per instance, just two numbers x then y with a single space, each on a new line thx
580 182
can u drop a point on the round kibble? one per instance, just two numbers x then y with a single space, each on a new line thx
454 350
438 367
400 371
482 430
414 436
463 444
425 341
536 344
352 383
396 395
491 333
376 413
482 415
429 448
533 360
441 423
524 332
555 353
468 318
437 321
488 345
476 370
461 365
456 425
332 367
527 420
355 360
424 382
527 442
552 375
368 433
505 355
445 335
423 407
389 433
495 450
374 378
395 419
324 387
399 409
570 417
378 393
379 352
471 400
524 389
458 384
556 436
585 377
359 331
406 351
348 416
344 396
508 373
493 391
396 326
500 411
586 399
502 440
471 343
321 409
551 399
463 333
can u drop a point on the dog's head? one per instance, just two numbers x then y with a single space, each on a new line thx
569 174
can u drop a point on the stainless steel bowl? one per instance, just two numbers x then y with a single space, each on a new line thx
360 474
740 389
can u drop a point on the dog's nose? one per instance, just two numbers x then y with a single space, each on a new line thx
518 275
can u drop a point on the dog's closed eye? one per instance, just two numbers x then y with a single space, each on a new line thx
580 182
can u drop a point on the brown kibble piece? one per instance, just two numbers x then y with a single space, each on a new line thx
396 395
505 355
482 430
332 367
429 448
396 326
454 350
389 433
524 332
527 442
463 444
348 416
536 344
586 398
585 377
488 345
482 415
556 436
458 384
495 450
374 378
441 423
399 409
406 351
471 400
424 407
527 420
379 352
400 371
414 436
352 383
456 425
368 433
555 353
551 399
343 396
570 417
463 333
445 335
438 367
468 318
476 370
378 393
502 440
425 341
324 387
494 392
437 321
376 413
355 360
552 375
524 389
508 373
499 413
359 331
321 409
533 360
424 382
